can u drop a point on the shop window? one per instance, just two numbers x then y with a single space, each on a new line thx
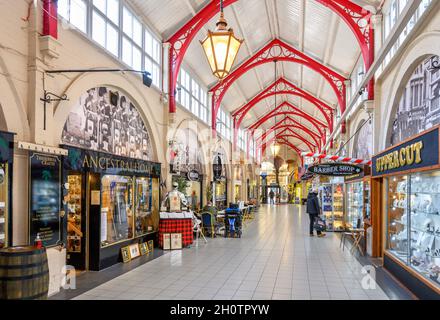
74 214
144 222
116 209
413 222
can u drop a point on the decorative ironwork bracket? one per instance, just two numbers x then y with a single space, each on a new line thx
50 97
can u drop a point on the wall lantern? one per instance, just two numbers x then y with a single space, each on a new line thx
221 47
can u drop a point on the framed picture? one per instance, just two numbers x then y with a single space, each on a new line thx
167 241
125 252
176 241
134 251
144 248
150 246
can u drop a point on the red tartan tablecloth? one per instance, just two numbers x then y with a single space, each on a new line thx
183 226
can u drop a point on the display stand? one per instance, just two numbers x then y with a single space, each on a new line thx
332 201
176 222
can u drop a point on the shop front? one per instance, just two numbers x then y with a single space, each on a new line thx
297 193
358 204
410 175
193 181
406 177
110 202
220 180
109 185
238 184
6 164
186 166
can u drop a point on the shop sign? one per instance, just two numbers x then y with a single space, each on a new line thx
193 175
335 169
80 159
358 176
45 195
416 153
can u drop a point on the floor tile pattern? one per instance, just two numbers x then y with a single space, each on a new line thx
275 259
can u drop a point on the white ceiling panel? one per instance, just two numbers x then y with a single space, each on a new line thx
316 29
288 14
345 50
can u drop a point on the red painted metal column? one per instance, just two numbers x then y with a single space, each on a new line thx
50 18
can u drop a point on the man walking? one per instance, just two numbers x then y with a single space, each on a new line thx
314 211
271 196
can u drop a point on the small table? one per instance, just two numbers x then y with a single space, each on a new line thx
357 234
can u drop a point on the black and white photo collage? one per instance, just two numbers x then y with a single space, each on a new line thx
107 121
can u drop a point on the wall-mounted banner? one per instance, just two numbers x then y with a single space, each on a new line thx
80 160
335 169
420 152
45 198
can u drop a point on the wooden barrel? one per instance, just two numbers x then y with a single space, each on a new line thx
24 273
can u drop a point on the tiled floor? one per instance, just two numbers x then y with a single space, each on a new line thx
275 259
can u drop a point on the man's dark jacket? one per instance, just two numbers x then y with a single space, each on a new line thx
313 204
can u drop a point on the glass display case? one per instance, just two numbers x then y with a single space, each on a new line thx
74 214
116 209
3 205
367 199
355 205
414 222
143 210
332 203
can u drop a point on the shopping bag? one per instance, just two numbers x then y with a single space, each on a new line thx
319 224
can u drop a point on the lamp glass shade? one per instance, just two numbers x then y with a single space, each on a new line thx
221 49
275 149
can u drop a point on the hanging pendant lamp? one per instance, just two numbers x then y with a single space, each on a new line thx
221 47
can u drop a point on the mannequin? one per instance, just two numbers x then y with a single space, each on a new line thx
175 201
